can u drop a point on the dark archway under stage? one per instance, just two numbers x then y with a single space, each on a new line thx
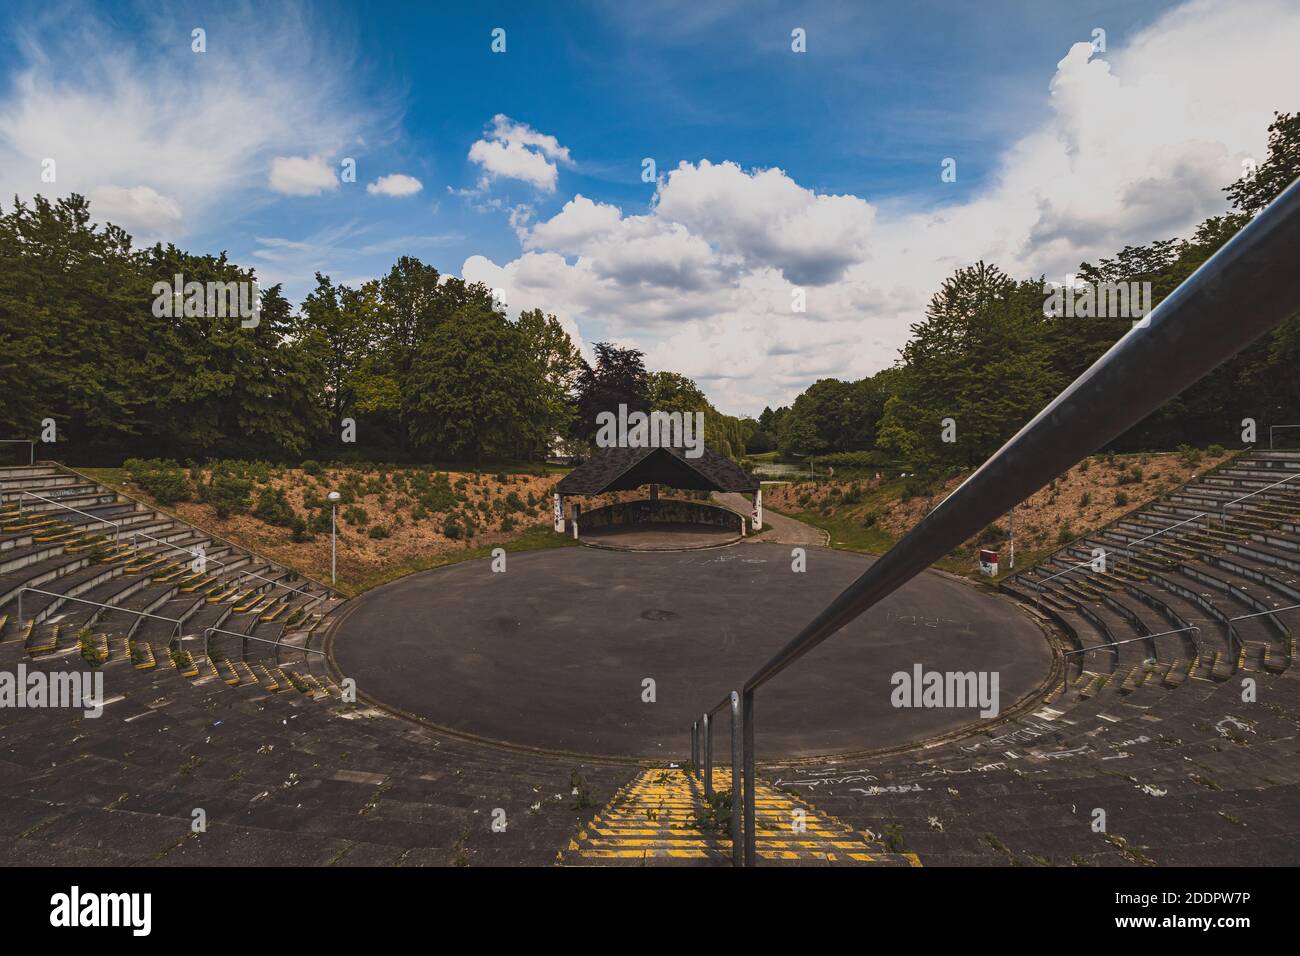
661 524
553 653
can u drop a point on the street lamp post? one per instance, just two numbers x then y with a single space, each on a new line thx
333 498
1011 535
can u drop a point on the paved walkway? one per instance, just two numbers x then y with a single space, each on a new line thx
783 530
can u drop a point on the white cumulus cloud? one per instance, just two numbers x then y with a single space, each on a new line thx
150 212
395 184
511 150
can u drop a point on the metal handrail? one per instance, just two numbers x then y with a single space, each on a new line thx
116 525
174 547
1242 617
180 637
1129 640
111 607
732 702
222 566
1245 289
249 637
1270 434
31 445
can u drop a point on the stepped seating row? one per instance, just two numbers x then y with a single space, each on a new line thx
81 565
244 723
1172 739
1196 777
1198 585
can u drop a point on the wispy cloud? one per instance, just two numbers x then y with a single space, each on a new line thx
351 251
164 139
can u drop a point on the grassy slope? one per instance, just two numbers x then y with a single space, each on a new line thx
845 526
354 577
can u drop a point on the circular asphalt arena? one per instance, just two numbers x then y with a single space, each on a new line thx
553 652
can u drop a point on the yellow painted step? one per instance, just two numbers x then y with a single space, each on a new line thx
170 573
272 615
221 594
227 672
265 677
142 655
251 601
661 816
45 644
185 665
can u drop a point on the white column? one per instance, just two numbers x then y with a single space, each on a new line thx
758 509
558 513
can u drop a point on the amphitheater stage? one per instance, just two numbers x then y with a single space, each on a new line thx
553 653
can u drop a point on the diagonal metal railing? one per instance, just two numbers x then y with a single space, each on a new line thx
1038 583
176 632
209 631
1245 289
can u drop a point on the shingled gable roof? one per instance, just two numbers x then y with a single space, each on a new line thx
622 469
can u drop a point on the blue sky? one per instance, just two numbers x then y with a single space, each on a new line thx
235 148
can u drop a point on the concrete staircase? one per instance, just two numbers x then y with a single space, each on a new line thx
662 817
1197 585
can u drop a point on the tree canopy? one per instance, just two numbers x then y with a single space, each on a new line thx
417 365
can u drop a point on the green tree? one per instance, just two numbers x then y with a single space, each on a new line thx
335 324
468 385
552 367
980 358
619 377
